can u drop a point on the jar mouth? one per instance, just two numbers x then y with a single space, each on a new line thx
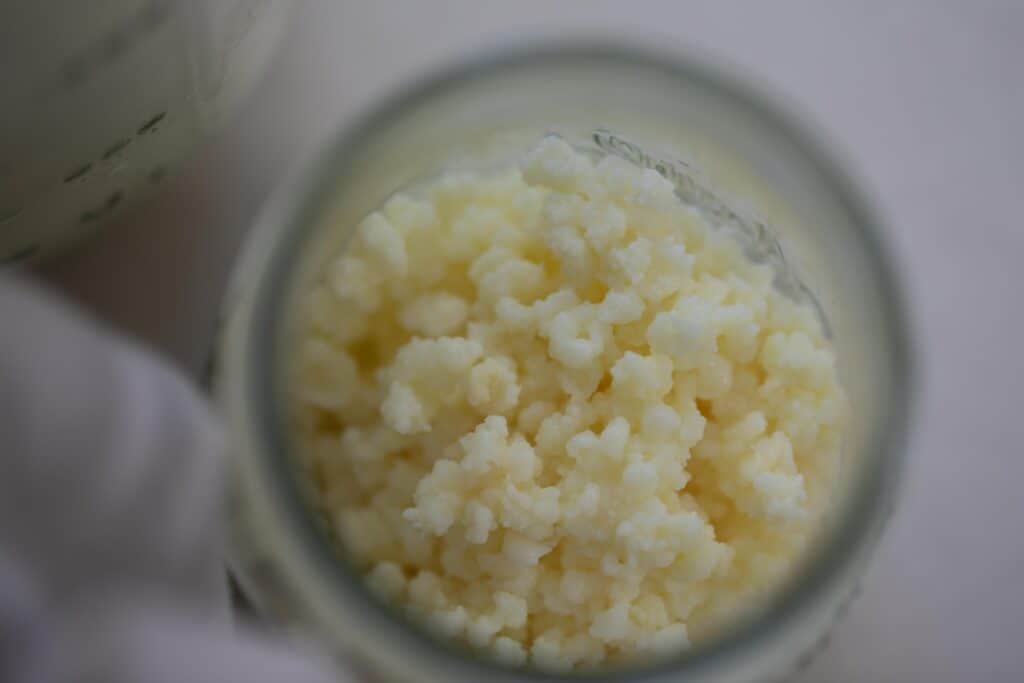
255 379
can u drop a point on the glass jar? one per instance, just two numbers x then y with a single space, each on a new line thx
746 164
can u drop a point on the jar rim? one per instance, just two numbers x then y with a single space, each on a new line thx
300 203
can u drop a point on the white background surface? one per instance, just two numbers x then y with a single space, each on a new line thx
926 102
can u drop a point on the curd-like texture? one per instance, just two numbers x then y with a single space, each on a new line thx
556 414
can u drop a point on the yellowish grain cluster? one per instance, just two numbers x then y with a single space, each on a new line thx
555 414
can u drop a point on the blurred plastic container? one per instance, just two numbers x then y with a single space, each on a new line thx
102 99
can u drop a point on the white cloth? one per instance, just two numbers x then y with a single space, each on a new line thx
111 477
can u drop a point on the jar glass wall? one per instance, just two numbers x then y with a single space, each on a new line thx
727 150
